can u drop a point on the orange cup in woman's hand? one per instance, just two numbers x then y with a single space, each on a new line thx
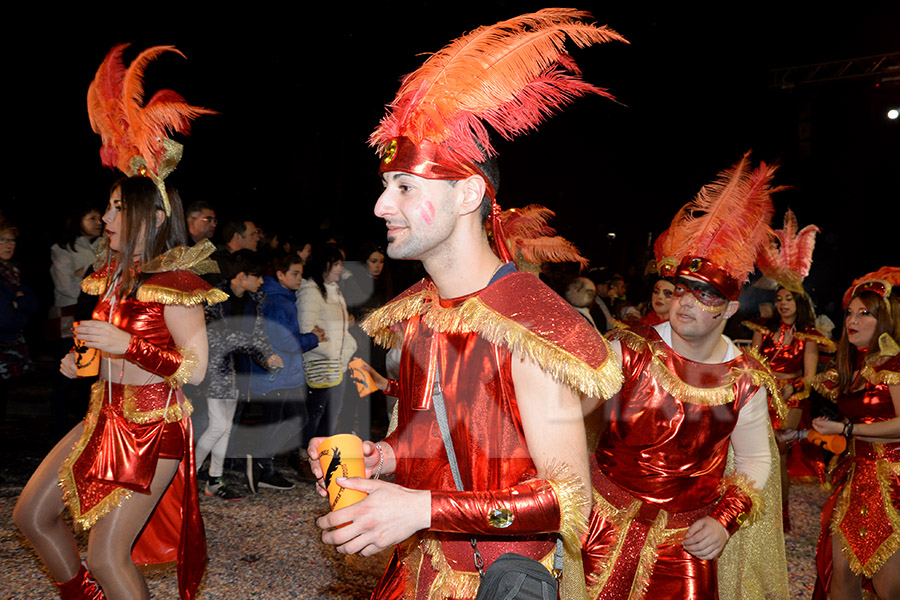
342 456
87 360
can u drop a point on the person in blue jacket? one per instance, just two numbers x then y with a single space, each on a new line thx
282 393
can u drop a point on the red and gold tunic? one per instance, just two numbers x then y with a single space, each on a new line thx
118 451
864 510
659 466
469 342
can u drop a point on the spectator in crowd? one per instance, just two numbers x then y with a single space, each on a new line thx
281 393
17 306
234 326
201 222
321 304
581 293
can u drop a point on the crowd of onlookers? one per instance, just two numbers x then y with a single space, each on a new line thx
281 345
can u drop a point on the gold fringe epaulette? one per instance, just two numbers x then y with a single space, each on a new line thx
473 316
166 295
756 327
766 378
67 483
798 397
876 374
820 380
94 284
184 258
185 370
742 482
818 338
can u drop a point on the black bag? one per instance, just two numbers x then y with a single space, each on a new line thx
516 577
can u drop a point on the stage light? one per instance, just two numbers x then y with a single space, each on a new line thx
893 114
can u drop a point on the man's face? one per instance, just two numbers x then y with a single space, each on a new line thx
202 225
248 240
693 319
617 288
418 213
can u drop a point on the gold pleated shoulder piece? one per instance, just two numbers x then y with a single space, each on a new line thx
756 327
817 338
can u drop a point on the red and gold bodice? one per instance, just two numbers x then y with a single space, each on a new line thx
668 429
872 403
783 357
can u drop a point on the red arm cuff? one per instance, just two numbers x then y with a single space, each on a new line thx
530 507
151 357
733 509
392 388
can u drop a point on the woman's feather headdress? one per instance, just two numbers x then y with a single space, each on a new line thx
134 133
718 235
510 76
666 263
788 261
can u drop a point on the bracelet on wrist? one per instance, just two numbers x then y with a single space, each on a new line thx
380 462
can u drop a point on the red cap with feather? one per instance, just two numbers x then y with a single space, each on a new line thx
788 262
134 134
883 282
511 76
717 237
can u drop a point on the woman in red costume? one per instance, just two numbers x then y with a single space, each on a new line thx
861 522
660 301
126 472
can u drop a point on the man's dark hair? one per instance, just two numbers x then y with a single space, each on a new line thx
244 261
197 206
490 170
233 227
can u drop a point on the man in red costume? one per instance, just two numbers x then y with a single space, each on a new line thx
665 509
509 358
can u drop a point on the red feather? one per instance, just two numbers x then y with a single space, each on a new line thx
789 261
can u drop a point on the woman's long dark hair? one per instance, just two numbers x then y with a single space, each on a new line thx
140 202
322 259
888 322
806 316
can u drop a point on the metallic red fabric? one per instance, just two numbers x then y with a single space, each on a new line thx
80 587
141 319
873 403
786 359
671 456
704 270
489 441
527 508
429 161
153 358
732 509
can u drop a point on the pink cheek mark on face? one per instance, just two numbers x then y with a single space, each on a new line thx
427 212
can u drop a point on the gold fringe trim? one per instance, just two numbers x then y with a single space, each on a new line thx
799 397
763 378
884 377
656 536
621 519
475 316
173 414
164 295
448 583
818 383
184 258
70 498
884 472
93 285
572 498
185 370
756 327
820 340
673 384
742 482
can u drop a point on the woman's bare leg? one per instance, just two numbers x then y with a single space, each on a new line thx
38 513
111 539
844 584
887 579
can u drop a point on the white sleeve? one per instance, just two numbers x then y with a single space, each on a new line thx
62 272
750 440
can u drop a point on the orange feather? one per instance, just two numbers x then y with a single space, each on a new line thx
788 262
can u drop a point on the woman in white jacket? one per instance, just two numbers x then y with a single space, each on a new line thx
321 304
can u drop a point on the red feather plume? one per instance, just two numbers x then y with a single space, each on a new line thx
532 239
510 75
728 220
126 125
888 274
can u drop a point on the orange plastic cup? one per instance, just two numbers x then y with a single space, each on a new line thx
87 360
342 456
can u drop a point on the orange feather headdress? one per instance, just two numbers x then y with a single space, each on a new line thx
532 241
788 262
666 263
134 134
509 76
883 282
717 236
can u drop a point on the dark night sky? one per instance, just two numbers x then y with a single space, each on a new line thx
299 90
